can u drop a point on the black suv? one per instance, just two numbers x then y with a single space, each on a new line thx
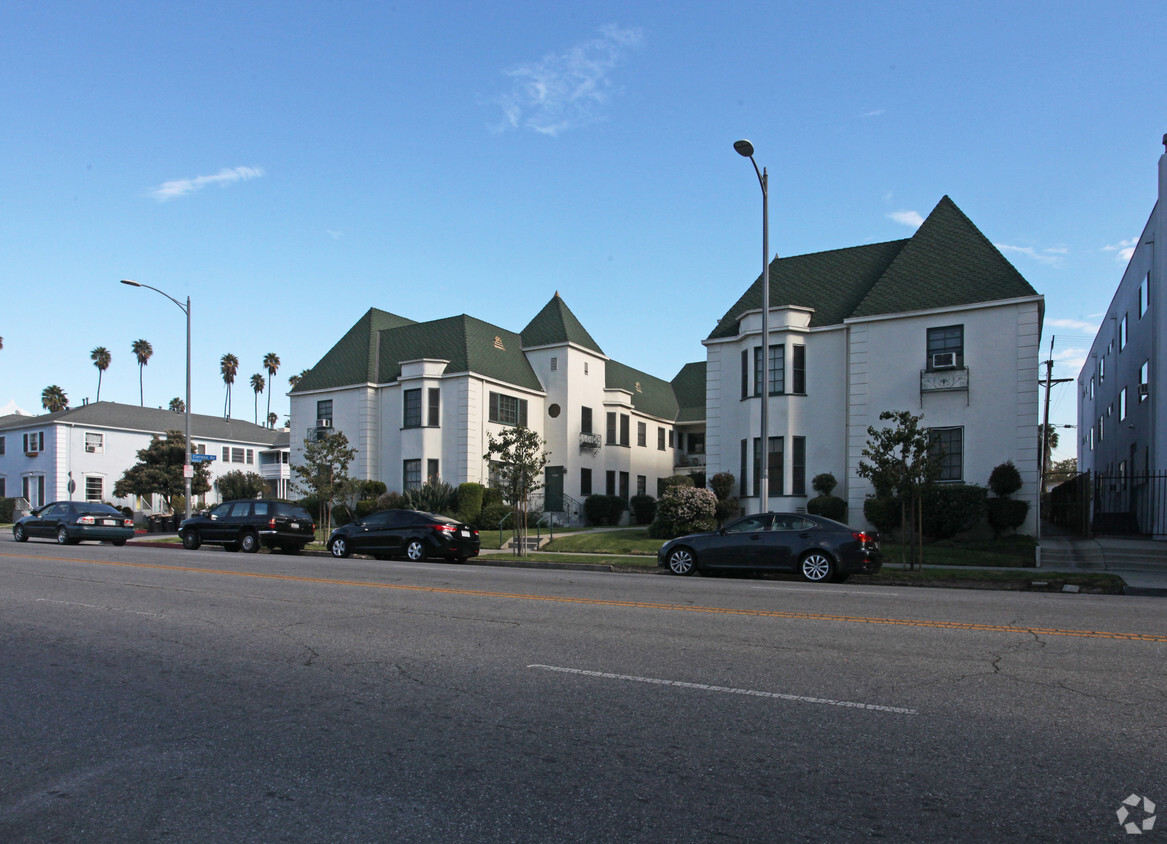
247 525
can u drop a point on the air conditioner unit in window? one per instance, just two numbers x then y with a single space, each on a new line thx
1144 390
324 423
92 449
944 360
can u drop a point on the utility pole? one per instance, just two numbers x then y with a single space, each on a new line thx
1049 382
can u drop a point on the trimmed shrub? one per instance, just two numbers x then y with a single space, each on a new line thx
7 508
604 509
883 512
470 496
685 510
1005 479
1006 514
824 484
643 509
828 506
722 485
240 485
490 515
950 509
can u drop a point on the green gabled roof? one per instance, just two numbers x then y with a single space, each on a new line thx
689 389
555 325
353 359
947 262
650 394
469 344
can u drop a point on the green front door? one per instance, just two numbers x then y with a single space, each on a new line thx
553 489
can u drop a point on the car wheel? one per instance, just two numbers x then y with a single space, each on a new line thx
817 567
339 547
117 543
415 550
63 536
682 561
18 534
191 540
249 542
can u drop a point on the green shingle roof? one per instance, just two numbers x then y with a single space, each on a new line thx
650 395
556 324
947 262
353 359
689 388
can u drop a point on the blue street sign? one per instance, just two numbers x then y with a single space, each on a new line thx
201 458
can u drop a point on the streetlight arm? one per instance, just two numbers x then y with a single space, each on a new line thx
181 306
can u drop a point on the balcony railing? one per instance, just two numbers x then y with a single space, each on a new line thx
590 442
691 460
944 380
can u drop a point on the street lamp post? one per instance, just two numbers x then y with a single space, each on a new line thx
746 149
187 468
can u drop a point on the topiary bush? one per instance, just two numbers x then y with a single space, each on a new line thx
470 496
828 506
643 509
684 510
950 509
824 484
1005 479
1006 514
604 509
722 485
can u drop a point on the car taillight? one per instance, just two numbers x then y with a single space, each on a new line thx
444 528
271 524
86 520
864 538
127 522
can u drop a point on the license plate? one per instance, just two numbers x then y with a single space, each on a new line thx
294 525
108 522
464 532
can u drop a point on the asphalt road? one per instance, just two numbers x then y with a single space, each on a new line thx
158 694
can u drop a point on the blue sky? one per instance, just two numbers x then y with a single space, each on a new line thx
289 165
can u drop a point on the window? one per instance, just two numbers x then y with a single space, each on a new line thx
624 486
34 443
745 373
741 474
1101 370
1 449
236 455
777 465
611 440
946 340
1144 295
947 446
610 482
3 491
660 439
410 474
1144 373
624 425
798 466
1122 404
250 457
94 444
777 370
93 489
554 364
1091 387
1122 333
641 485
226 454
696 444
324 411
585 482
757 371
757 486
585 420
798 370
431 471
642 434
508 410
411 414
672 433
434 408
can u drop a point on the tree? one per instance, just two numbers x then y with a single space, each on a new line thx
159 471
53 398
100 357
271 419
257 385
294 380
1061 471
228 366
324 472
271 362
901 465
518 459
142 351
240 485
177 405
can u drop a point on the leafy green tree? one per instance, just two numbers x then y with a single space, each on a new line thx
271 362
899 463
257 385
238 484
518 459
324 472
100 357
159 472
228 367
53 398
142 351
177 405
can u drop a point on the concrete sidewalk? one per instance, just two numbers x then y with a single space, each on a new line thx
1141 563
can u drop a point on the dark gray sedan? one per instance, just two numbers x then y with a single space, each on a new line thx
816 548
70 522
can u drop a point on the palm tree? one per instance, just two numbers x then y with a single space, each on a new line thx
100 358
177 405
53 399
257 384
271 362
293 380
228 366
271 420
142 350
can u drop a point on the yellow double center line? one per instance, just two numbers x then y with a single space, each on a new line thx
601 602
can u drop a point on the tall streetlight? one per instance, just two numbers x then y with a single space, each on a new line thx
187 468
746 149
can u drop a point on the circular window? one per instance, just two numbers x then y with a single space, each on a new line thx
553 411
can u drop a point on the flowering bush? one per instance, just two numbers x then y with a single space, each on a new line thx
684 510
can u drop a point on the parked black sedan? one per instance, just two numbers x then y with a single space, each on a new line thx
70 522
816 548
408 533
247 525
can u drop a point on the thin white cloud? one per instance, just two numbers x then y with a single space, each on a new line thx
1078 325
181 187
1124 248
335 235
875 112
911 219
1050 255
566 90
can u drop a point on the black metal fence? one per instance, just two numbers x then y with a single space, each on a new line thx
1130 504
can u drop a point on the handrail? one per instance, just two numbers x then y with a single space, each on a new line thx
502 522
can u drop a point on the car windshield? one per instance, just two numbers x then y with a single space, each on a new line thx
95 507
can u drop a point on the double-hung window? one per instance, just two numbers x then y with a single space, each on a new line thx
945 347
508 410
411 474
798 370
411 416
434 407
777 372
947 446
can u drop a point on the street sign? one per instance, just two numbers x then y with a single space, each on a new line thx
201 458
